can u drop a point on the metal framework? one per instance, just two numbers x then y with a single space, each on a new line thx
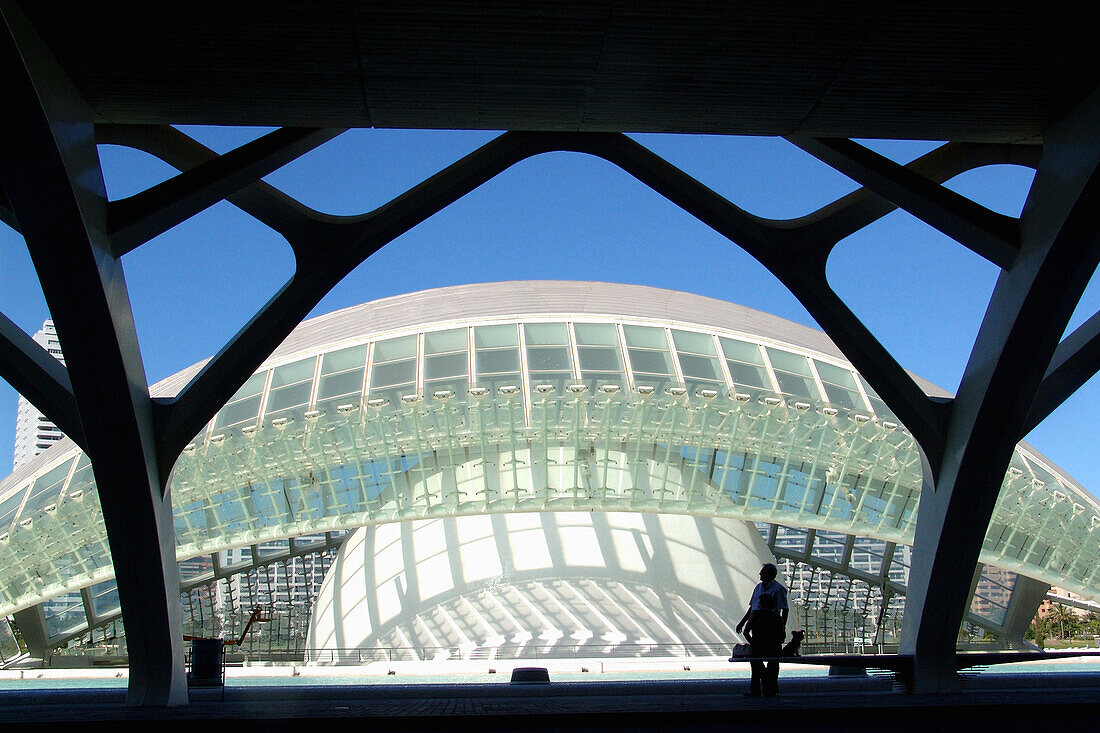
54 195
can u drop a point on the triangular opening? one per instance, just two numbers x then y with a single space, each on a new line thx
360 170
902 152
766 176
999 188
223 138
1087 306
127 171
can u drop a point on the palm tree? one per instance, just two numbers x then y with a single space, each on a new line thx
1059 615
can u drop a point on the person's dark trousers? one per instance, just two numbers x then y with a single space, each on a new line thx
765 675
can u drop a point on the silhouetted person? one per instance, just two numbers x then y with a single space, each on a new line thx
765 626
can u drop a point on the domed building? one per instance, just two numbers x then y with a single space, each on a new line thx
538 584
524 468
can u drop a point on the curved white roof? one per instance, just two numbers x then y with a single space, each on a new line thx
612 583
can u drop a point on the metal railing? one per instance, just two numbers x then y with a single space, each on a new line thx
535 652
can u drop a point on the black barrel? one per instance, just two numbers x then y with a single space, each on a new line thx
206 662
530 675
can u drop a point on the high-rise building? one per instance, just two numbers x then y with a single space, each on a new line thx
34 432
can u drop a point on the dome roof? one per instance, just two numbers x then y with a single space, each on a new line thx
612 583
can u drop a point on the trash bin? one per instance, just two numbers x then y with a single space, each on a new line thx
530 675
206 662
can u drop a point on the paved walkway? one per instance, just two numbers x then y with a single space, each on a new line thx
988 702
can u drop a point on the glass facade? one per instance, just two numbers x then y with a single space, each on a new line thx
548 414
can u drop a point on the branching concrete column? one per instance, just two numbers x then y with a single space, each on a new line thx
1031 305
51 175
1026 597
32 625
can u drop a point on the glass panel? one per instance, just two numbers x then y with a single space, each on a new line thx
836 375
746 375
548 358
499 380
239 412
842 397
992 593
82 475
496 336
595 380
1039 471
275 547
601 359
47 489
596 334
8 509
392 394
195 567
341 384
445 365
829 546
64 613
795 385
745 363
546 334
700 367
788 362
392 349
790 538
245 404
657 381
443 341
291 386
696 343
9 646
867 554
291 373
899 564
503 360
288 397
338 361
840 386
645 337
397 372
104 598
742 351
653 362
341 378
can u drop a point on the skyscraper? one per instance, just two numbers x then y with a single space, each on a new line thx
34 432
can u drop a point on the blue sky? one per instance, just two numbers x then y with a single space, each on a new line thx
560 216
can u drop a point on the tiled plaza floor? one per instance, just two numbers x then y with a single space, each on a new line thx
987 703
